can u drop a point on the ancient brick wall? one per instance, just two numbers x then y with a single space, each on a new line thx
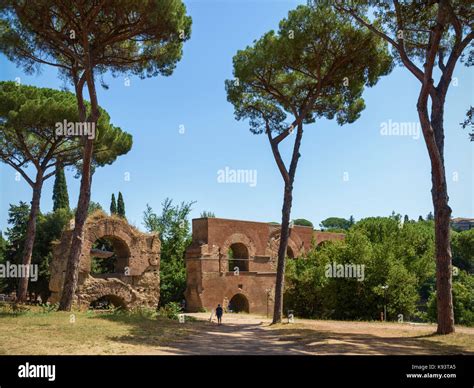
211 275
137 279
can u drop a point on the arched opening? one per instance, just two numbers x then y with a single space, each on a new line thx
289 252
107 302
238 257
109 255
239 303
323 243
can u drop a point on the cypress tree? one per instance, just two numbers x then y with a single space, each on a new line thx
113 205
351 221
120 205
60 194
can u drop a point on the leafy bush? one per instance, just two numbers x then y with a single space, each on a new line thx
463 300
394 255
174 229
463 250
47 308
170 311
143 312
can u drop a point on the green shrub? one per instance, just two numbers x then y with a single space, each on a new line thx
143 312
399 256
170 311
47 308
463 300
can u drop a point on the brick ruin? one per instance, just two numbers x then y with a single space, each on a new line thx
135 279
228 262
235 261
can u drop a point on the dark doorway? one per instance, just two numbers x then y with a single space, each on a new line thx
107 302
289 253
239 303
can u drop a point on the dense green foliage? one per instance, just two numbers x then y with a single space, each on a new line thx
400 256
297 71
48 229
117 206
94 206
113 205
120 205
463 300
60 194
303 222
170 310
336 224
174 229
462 244
29 122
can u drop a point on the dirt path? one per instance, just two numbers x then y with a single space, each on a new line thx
250 334
240 334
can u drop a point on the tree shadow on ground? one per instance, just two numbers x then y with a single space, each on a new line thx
201 337
147 331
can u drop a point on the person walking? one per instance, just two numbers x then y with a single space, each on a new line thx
219 312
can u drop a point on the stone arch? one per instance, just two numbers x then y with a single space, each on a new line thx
121 251
111 299
292 250
94 289
323 243
135 278
240 241
118 232
240 257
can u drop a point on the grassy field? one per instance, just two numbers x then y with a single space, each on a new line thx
59 333
86 333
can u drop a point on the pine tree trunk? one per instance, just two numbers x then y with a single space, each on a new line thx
442 215
281 265
285 222
72 268
433 133
30 236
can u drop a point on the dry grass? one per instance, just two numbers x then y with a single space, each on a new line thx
92 333
35 332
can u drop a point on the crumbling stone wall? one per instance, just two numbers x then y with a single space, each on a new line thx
138 255
210 281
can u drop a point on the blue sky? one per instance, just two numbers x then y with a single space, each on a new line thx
343 171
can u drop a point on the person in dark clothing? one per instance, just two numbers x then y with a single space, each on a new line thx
219 312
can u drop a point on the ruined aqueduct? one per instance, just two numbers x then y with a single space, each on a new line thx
135 280
230 262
